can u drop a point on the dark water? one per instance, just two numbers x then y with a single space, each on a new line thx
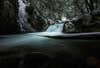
34 40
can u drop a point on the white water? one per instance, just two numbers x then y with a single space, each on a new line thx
57 27
23 16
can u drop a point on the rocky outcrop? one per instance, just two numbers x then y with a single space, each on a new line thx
87 23
37 21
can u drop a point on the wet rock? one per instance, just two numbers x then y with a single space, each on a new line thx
86 23
37 21
69 27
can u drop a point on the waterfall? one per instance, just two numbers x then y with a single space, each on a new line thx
57 27
23 17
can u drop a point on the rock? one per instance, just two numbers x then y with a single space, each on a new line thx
37 21
83 23
68 27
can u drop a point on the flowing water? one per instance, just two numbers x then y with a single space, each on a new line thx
23 17
55 28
